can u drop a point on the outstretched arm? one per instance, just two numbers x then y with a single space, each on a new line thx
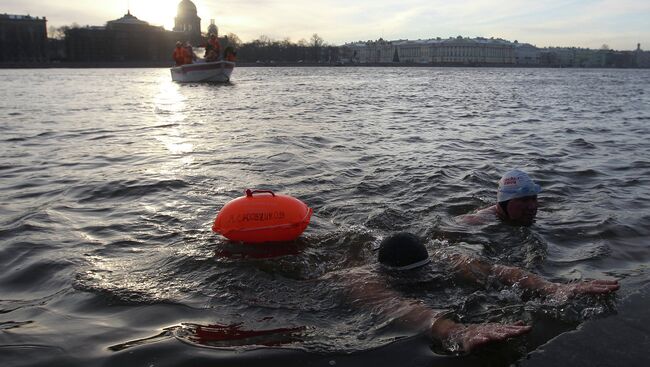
477 270
561 291
414 315
468 337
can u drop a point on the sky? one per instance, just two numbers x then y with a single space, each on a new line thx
619 24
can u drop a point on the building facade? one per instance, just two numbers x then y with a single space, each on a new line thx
459 50
130 39
527 54
127 39
642 57
23 38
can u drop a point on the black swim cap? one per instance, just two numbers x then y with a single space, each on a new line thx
403 251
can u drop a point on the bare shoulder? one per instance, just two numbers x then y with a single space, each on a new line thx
481 216
360 282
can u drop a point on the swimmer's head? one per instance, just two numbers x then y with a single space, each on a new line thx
403 251
517 197
516 184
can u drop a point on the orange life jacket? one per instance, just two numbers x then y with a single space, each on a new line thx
187 56
215 44
178 56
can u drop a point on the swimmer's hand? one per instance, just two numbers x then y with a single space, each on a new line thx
561 292
469 337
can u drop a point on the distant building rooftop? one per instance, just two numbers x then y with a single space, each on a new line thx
437 40
20 17
128 19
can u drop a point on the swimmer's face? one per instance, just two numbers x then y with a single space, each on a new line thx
523 210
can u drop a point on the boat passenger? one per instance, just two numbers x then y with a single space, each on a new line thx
179 54
516 201
211 55
214 45
189 55
229 54
404 254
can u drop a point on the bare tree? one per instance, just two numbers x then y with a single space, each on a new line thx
57 32
233 40
316 41
265 40
51 31
265 49
286 42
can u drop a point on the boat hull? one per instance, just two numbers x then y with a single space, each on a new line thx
218 71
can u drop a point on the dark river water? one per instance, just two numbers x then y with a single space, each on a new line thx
111 179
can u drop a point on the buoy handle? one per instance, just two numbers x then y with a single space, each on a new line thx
249 192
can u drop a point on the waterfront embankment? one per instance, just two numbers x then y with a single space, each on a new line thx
165 64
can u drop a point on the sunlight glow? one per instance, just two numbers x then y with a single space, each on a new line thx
156 12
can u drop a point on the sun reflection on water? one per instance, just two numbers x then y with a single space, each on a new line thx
171 114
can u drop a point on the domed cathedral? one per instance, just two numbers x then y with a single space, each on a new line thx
188 21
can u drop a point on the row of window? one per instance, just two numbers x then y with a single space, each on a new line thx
454 51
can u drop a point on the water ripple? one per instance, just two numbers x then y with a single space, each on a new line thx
107 198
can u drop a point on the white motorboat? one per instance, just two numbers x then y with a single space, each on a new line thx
217 71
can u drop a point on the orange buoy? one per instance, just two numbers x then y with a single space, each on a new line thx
265 217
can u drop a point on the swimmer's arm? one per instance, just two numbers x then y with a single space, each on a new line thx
409 314
478 271
524 279
481 216
521 278
467 267
416 316
472 219
460 337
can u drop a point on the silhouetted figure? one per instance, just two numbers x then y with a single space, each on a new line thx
189 55
212 49
179 54
230 54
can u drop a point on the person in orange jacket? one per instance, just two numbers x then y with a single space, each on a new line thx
230 54
214 45
179 54
189 55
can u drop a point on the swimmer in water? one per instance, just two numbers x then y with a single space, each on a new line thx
404 252
516 201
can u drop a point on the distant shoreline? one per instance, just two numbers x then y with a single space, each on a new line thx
166 64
